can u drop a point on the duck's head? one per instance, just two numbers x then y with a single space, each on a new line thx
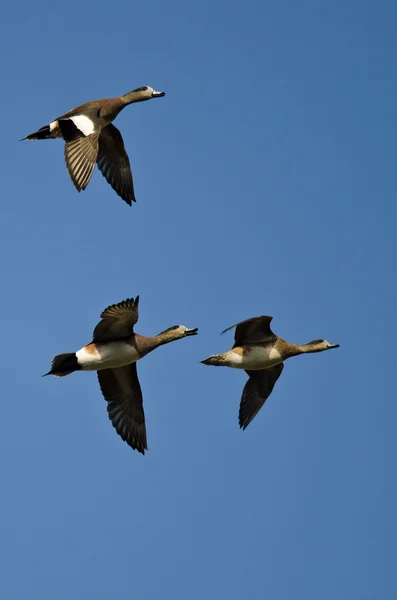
176 332
180 331
141 94
320 346
155 94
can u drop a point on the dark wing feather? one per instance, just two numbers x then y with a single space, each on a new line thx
256 391
117 321
122 391
114 163
80 153
252 331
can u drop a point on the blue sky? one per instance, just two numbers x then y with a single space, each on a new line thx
266 184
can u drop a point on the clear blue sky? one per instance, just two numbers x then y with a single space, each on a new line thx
266 184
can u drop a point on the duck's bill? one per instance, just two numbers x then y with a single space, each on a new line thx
192 331
158 94
333 346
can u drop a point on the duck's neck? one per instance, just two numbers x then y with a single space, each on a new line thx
131 97
148 344
308 348
165 337
287 349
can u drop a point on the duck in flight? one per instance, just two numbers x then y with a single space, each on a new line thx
113 353
261 354
91 138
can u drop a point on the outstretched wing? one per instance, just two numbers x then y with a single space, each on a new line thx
256 391
81 148
117 321
114 163
122 391
252 331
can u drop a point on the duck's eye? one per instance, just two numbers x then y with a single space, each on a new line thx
142 89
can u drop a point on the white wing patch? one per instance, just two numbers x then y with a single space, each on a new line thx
83 124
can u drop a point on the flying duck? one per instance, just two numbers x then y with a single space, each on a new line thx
113 353
261 354
90 138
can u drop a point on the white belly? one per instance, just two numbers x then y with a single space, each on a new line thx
254 358
106 356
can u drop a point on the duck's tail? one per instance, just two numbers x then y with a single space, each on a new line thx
43 133
216 360
64 364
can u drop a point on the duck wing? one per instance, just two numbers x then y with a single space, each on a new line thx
252 331
114 163
256 391
122 391
81 148
117 321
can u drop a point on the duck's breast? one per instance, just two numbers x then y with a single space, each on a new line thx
95 357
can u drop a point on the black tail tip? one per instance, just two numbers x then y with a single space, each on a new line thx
41 134
63 364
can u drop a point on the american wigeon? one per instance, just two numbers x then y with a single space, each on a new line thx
90 138
113 353
261 354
